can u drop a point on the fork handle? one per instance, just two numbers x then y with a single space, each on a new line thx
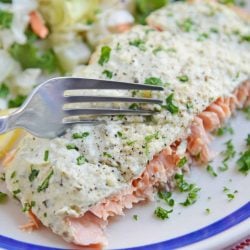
3 124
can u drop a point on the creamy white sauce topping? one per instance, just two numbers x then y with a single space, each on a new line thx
72 174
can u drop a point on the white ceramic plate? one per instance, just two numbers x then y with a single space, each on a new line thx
188 227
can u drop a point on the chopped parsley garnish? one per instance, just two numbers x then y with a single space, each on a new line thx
13 175
230 152
119 134
214 30
166 196
227 2
17 102
224 167
183 78
189 105
182 162
105 55
15 192
5 1
105 154
81 160
45 183
33 174
133 106
243 162
80 135
202 37
4 90
28 206
230 197
130 143
158 49
224 130
192 196
246 111
108 74
139 43
46 155
72 146
186 25
173 109
149 138
3 197
46 61
162 213
248 140
211 171
245 38
2 176
225 189
153 81
208 211
5 19
135 217
182 185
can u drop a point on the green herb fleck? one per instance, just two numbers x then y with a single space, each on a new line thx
245 38
72 146
5 19
166 196
46 155
202 37
224 167
81 160
211 171
230 152
4 90
3 197
243 162
183 78
208 211
135 217
162 213
172 108
108 74
248 140
130 143
134 106
154 81
15 192
246 111
139 43
224 130
214 30
13 175
45 183
186 25
105 55
182 162
28 206
182 185
17 102
2 176
230 197
192 196
80 135
33 174
105 154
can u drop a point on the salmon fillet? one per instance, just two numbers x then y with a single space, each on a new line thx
92 174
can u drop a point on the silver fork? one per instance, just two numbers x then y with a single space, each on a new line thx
44 114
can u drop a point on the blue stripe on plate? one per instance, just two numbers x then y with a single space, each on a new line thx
217 227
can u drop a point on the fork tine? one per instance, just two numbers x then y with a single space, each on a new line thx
77 99
93 111
73 83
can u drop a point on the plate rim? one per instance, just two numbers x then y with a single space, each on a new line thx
213 229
